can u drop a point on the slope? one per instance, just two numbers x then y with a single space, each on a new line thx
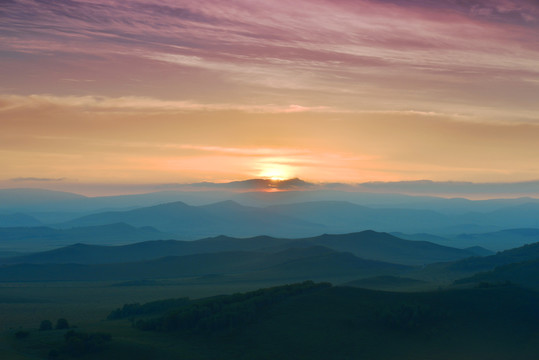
385 247
314 262
191 222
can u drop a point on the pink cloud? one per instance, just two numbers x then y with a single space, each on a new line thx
360 49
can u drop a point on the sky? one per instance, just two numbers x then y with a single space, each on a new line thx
103 94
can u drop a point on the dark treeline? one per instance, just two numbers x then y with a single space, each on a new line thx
226 312
136 309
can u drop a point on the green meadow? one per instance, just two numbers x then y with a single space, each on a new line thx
479 322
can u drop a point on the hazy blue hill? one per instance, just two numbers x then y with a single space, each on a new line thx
317 262
42 237
341 216
479 251
247 193
190 222
366 245
423 237
310 211
18 219
345 216
385 247
258 221
166 217
519 216
496 241
147 250
96 254
466 267
499 240
226 243
524 273
511 216
35 200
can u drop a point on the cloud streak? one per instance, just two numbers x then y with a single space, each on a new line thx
139 103
36 179
333 47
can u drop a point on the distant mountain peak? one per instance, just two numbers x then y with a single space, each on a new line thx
257 184
226 203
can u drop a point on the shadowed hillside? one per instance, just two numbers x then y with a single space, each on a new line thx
302 263
41 238
450 271
316 321
366 245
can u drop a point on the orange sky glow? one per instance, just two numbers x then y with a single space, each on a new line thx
134 92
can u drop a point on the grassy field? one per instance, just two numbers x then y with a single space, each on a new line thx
339 323
86 305
24 305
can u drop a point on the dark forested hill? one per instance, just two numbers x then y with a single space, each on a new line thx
316 321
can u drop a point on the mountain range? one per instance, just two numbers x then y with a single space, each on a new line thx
40 238
292 263
311 218
368 245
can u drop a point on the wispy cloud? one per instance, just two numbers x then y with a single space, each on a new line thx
136 103
360 48
247 151
36 179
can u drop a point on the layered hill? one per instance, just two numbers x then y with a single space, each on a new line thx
367 245
524 273
303 263
190 222
18 219
382 246
43 237
450 271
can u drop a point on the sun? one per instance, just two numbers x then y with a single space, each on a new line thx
275 172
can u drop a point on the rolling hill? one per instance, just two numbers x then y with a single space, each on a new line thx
385 247
146 250
344 217
18 219
367 245
191 222
303 263
450 271
524 273
41 238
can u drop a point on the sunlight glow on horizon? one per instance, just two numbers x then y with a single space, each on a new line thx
347 91
276 172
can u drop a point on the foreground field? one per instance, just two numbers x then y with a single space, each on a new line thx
488 322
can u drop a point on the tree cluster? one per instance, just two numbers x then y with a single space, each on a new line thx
226 312
136 309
